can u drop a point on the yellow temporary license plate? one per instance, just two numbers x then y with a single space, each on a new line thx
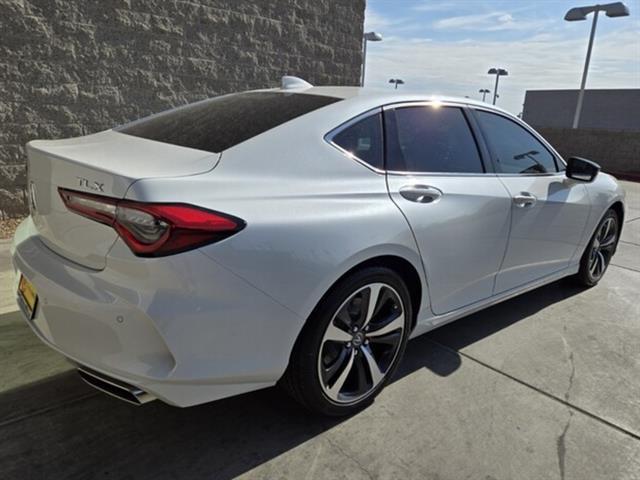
27 293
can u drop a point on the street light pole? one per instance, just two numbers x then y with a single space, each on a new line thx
364 60
484 92
498 72
617 9
367 37
576 117
396 81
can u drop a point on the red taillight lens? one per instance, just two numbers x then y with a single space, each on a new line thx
154 229
95 207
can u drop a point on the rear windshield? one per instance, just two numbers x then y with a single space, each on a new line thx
222 122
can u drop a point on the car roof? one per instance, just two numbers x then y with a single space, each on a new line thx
371 97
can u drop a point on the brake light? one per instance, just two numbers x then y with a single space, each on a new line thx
154 229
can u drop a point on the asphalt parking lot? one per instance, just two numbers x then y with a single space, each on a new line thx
544 386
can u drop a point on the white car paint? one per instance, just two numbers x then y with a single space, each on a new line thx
222 319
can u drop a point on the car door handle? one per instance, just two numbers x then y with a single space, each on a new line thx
420 193
525 199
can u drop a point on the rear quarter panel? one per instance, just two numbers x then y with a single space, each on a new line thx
312 213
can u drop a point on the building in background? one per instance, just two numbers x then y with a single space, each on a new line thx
602 109
75 67
608 132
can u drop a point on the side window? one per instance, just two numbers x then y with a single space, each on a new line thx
432 139
516 150
364 140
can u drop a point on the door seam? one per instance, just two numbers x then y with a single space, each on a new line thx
415 241
506 247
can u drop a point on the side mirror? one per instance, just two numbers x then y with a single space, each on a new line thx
582 169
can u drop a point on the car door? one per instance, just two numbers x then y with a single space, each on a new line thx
457 208
549 210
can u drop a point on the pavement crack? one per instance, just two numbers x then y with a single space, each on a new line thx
573 367
353 459
312 469
562 447
47 409
625 267
557 398
571 377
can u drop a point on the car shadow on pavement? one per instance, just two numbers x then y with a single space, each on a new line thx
61 428
437 350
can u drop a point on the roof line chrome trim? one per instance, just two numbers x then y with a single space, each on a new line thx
328 137
419 103
440 174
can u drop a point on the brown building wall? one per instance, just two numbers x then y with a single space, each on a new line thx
616 152
74 67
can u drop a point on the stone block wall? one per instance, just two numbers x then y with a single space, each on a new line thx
74 67
603 109
616 152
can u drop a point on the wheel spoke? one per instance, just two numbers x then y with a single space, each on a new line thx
374 370
598 265
606 227
336 334
610 236
601 262
361 371
609 242
388 339
374 295
334 390
330 371
593 262
603 230
393 324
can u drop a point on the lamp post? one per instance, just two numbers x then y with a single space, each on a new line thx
617 9
397 81
498 72
484 92
367 37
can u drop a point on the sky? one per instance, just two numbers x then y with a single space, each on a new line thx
446 47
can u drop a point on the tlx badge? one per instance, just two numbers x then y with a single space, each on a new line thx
95 186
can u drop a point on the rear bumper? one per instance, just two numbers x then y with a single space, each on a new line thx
182 328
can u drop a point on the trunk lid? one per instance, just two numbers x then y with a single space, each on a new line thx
105 163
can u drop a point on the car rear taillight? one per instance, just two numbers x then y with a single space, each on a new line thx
154 229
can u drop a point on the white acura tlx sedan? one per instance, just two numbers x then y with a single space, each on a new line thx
298 236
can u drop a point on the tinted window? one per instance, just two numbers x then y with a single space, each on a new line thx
433 139
222 122
364 140
515 149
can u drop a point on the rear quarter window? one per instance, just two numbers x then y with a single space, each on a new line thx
220 123
363 139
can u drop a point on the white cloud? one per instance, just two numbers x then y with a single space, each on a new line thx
542 61
432 6
375 21
487 22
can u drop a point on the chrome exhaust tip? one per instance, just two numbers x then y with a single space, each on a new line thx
115 388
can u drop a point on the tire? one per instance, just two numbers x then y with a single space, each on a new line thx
601 247
331 370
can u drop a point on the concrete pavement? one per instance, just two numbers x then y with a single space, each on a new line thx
544 386
7 302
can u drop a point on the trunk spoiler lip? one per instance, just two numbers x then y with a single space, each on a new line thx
56 148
